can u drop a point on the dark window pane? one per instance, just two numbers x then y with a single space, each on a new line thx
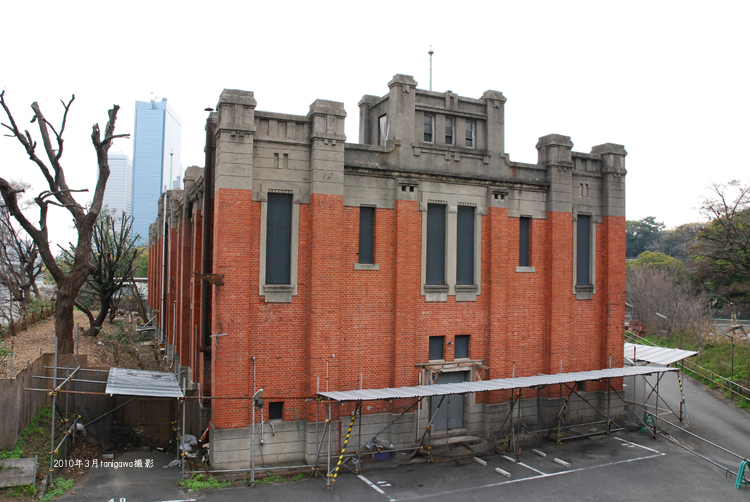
465 246
428 128
279 239
366 233
523 242
436 347
435 244
462 347
583 250
276 410
448 131
470 133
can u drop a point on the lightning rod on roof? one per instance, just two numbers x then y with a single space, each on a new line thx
430 52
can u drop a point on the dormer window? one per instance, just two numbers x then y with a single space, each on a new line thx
428 122
470 131
448 130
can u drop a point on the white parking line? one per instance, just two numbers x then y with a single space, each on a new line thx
561 473
529 467
375 487
630 443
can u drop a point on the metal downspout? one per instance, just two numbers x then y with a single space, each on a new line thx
207 247
164 256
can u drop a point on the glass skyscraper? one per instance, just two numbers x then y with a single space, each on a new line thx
156 160
118 194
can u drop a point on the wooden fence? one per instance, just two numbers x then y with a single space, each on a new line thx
19 406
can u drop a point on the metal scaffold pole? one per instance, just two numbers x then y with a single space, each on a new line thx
52 433
329 483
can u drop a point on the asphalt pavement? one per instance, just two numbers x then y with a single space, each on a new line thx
627 466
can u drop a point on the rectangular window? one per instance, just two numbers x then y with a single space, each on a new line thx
461 350
523 241
583 250
465 245
279 239
470 134
448 130
382 130
435 259
436 347
276 410
366 234
428 128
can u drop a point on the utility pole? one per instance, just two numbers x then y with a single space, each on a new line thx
668 325
171 157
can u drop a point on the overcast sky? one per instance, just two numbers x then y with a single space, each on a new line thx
669 80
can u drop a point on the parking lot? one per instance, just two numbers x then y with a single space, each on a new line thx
627 466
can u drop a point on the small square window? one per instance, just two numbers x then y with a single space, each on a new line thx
448 130
436 347
470 133
428 128
461 350
276 410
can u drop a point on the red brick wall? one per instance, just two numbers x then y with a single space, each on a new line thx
345 324
235 238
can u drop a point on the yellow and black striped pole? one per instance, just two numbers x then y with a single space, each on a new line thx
682 394
346 441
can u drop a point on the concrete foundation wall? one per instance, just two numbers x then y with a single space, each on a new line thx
297 442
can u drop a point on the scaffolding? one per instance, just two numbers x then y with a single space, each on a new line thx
516 386
119 381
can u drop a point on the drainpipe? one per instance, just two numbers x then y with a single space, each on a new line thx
164 277
208 224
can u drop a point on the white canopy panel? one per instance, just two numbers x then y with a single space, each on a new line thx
489 385
657 355
127 382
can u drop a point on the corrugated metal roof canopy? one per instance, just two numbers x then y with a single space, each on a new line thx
657 355
488 385
127 382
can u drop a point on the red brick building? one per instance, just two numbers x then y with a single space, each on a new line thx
421 253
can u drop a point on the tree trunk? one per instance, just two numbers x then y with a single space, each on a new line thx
139 300
67 291
100 317
87 312
64 322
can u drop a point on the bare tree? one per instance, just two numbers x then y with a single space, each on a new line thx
652 289
113 257
722 253
60 194
20 263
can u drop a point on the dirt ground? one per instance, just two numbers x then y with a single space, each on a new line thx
40 338
102 351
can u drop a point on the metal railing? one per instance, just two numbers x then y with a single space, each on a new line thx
704 374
